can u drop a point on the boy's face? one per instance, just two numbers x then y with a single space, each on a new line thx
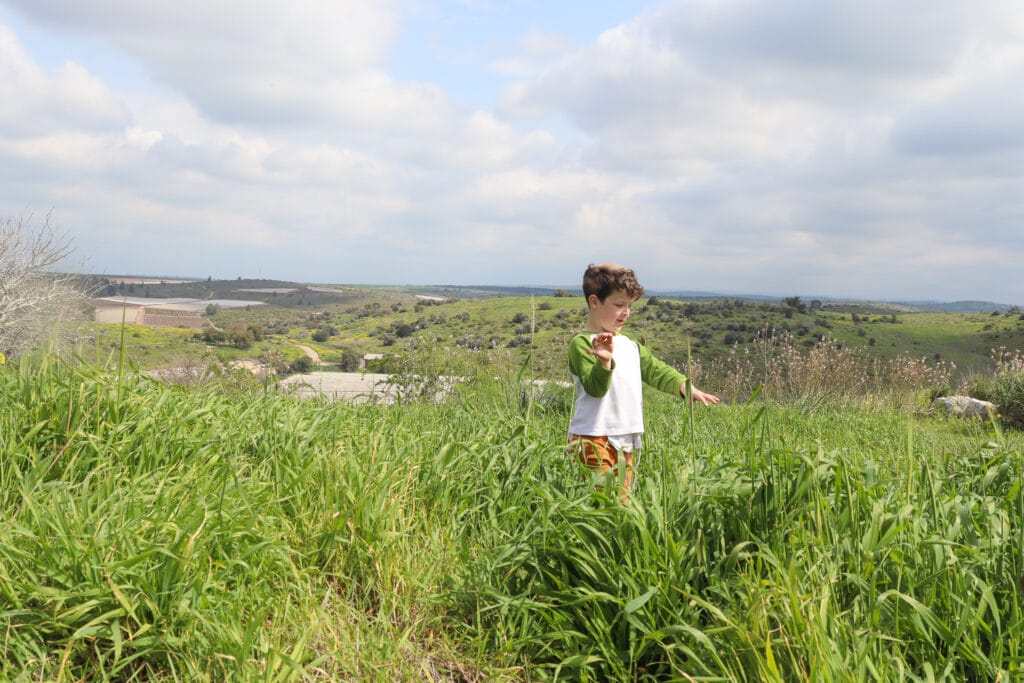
612 313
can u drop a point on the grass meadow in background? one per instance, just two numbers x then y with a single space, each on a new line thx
158 533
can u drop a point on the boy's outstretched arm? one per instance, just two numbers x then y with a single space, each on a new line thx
698 395
665 378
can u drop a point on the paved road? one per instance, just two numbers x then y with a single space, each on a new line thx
357 386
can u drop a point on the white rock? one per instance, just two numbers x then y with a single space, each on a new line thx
964 406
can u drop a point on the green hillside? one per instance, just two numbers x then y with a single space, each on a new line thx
357 321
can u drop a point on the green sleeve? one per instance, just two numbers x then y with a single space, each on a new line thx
594 378
659 375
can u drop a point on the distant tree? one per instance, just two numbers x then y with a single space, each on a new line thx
240 336
34 296
563 293
351 359
815 304
794 303
212 336
240 340
212 309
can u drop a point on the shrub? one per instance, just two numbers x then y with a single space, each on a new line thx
322 334
1004 387
823 372
351 359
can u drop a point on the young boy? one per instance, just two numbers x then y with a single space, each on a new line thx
609 370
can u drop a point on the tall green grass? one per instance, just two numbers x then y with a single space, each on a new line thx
167 533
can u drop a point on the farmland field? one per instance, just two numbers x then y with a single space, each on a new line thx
210 533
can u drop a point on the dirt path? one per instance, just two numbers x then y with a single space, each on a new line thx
311 353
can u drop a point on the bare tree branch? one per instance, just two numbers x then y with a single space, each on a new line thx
35 297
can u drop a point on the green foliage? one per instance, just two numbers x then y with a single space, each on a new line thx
351 359
323 333
167 533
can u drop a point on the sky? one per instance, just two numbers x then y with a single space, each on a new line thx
861 149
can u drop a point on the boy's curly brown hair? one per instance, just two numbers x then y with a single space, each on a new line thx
604 278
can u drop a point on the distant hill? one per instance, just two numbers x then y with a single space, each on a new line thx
958 306
171 287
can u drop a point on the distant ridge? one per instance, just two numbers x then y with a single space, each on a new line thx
958 306
475 291
832 303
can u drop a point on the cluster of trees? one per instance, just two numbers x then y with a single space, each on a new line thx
240 335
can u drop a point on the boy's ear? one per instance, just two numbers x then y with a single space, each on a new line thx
593 301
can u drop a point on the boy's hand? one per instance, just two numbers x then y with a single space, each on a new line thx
602 345
699 395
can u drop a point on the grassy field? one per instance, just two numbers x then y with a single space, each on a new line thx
157 533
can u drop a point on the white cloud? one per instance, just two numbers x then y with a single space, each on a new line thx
537 50
243 61
36 101
788 147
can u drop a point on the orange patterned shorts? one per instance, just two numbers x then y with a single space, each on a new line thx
599 455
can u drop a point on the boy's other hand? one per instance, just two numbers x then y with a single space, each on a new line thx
602 346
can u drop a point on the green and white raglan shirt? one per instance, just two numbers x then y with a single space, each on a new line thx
610 402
